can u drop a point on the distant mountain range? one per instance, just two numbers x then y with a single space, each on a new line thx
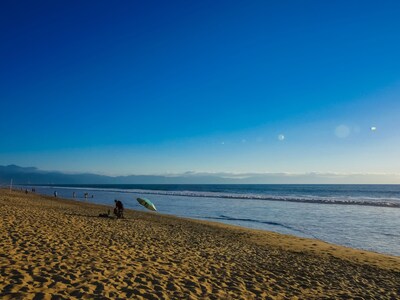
32 175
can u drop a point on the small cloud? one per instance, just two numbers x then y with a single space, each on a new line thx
373 128
281 137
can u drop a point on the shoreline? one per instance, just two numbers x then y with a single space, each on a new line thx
61 247
345 225
224 195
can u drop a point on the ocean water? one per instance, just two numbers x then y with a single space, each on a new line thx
358 216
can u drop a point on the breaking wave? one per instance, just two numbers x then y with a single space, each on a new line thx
393 202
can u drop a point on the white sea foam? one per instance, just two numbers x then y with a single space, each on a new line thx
343 199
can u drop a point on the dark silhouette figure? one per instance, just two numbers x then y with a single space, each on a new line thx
119 209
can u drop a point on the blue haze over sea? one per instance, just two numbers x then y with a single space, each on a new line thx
358 216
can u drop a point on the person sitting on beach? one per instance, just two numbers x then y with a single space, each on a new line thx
119 209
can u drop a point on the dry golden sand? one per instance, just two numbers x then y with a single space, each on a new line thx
60 249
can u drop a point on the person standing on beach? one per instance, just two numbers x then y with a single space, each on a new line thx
55 194
119 209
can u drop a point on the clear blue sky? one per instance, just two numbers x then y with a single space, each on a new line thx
129 87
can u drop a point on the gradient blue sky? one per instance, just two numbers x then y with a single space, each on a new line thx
154 87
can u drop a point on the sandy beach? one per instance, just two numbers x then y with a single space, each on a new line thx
60 249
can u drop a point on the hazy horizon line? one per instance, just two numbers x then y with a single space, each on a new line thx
234 175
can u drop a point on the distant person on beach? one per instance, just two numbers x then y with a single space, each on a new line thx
86 195
119 209
55 194
73 195
26 191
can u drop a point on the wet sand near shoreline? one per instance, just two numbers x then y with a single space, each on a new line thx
60 249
